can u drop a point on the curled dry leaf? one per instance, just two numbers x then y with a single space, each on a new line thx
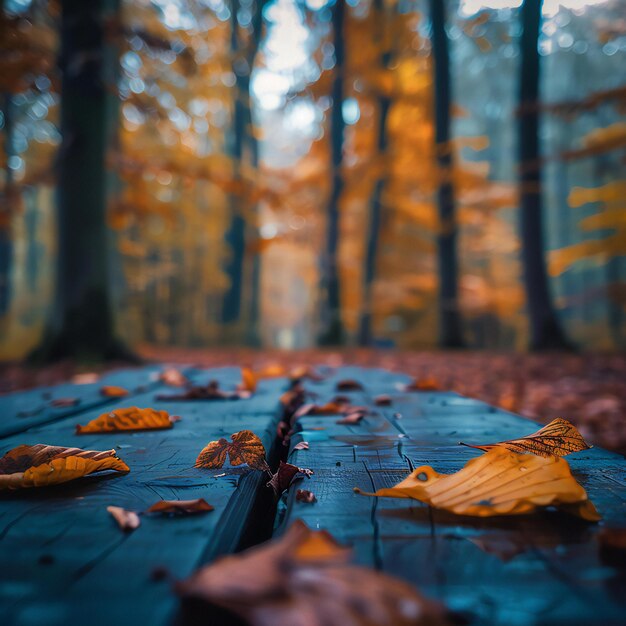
173 377
41 465
246 447
111 391
353 418
210 391
383 400
339 404
128 419
285 475
305 578
559 437
499 482
181 507
303 495
303 445
126 520
349 385
428 383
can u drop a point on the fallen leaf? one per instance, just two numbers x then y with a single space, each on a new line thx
285 475
274 370
181 507
248 380
305 371
349 385
210 391
113 392
126 520
383 400
303 445
429 383
339 404
305 578
60 403
173 377
128 419
85 379
41 465
498 482
559 437
352 418
246 447
303 495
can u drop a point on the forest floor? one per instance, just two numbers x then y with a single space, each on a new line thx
589 390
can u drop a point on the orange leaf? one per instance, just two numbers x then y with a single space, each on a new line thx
559 437
41 465
430 383
114 392
499 482
181 507
246 447
126 520
129 419
248 380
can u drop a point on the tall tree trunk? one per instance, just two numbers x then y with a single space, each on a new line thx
450 332
9 201
81 324
545 329
375 208
332 332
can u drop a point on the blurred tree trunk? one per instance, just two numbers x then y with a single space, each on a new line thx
375 209
81 323
332 332
9 200
450 332
545 329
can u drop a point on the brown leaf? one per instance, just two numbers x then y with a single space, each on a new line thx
128 419
246 447
41 465
285 475
126 520
305 371
111 391
559 437
303 495
349 385
338 405
429 383
181 507
59 403
498 482
173 377
210 391
305 578
383 400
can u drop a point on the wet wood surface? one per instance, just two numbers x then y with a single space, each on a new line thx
63 559
528 570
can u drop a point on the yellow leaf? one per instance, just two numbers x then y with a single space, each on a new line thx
131 418
499 482
41 465
558 438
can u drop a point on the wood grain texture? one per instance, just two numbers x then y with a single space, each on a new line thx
62 557
528 570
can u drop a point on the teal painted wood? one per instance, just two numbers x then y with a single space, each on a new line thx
20 411
63 559
530 570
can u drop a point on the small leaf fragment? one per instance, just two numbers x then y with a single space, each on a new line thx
349 385
173 377
126 520
383 400
111 391
303 495
181 507
61 403
428 383
303 445
559 437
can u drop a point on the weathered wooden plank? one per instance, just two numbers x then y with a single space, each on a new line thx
20 411
540 569
63 558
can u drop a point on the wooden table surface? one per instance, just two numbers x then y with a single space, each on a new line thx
63 559
528 570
